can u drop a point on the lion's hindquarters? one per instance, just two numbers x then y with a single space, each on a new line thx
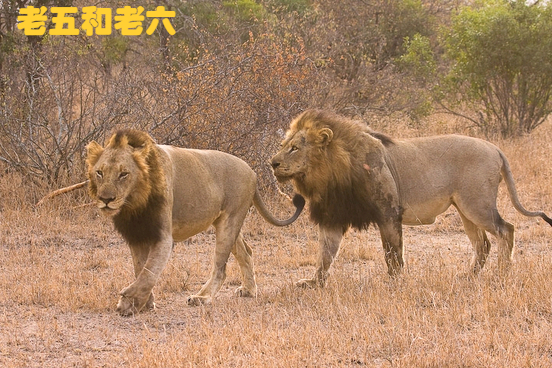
215 188
472 179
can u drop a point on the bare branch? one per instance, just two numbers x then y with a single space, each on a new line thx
58 192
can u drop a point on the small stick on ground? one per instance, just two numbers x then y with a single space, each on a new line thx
57 192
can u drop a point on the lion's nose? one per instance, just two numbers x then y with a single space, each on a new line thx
107 200
275 164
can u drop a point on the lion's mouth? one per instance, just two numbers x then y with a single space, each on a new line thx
108 209
285 174
283 178
282 175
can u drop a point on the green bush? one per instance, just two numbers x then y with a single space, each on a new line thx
246 10
418 57
502 65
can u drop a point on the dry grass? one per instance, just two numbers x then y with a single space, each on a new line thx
59 281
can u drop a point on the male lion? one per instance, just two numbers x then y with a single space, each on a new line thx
159 194
354 177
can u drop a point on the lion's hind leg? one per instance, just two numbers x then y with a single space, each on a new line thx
480 242
488 219
243 253
227 227
505 232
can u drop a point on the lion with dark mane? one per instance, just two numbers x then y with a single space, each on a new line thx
158 194
354 177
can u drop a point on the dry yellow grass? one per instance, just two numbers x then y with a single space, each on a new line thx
61 271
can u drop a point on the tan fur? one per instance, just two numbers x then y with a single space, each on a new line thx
159 194
354 176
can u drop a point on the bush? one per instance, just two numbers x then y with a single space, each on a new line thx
238 101
501 65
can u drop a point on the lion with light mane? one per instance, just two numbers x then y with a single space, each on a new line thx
353 176
157 194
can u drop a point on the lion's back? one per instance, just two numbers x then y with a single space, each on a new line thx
450 154
432 171
205 181
208 165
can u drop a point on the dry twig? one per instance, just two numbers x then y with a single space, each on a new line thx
57 192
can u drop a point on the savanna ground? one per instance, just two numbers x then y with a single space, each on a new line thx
63 266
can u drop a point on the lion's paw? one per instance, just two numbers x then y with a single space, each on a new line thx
127 306
196 300
244 293
150 304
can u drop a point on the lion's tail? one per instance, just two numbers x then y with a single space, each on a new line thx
509 179
298 202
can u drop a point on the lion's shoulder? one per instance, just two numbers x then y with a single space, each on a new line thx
385 139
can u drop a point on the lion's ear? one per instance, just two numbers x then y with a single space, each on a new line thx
142 150
325 136
93 152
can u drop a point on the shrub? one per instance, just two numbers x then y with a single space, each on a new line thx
501 65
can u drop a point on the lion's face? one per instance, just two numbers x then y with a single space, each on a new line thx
292 161
114 175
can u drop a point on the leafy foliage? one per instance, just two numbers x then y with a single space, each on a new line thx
502 65
246 10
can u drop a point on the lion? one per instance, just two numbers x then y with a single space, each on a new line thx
158 194
354 177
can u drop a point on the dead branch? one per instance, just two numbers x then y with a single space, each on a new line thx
57 192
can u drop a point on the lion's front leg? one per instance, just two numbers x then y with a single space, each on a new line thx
127 306
386 198
391 237
329 240
149 262
139 258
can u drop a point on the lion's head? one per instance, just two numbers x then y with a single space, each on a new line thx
326 156
121 174
305 140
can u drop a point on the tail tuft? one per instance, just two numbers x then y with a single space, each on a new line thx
299 203
547 219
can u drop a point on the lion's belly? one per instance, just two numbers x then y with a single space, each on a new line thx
188 223
424 213
184 231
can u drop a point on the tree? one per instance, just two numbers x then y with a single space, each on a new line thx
501 65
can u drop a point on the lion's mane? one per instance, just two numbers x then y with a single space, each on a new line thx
140 219
339 186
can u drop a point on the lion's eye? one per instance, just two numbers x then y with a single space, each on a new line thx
99 174
293 149
123 175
